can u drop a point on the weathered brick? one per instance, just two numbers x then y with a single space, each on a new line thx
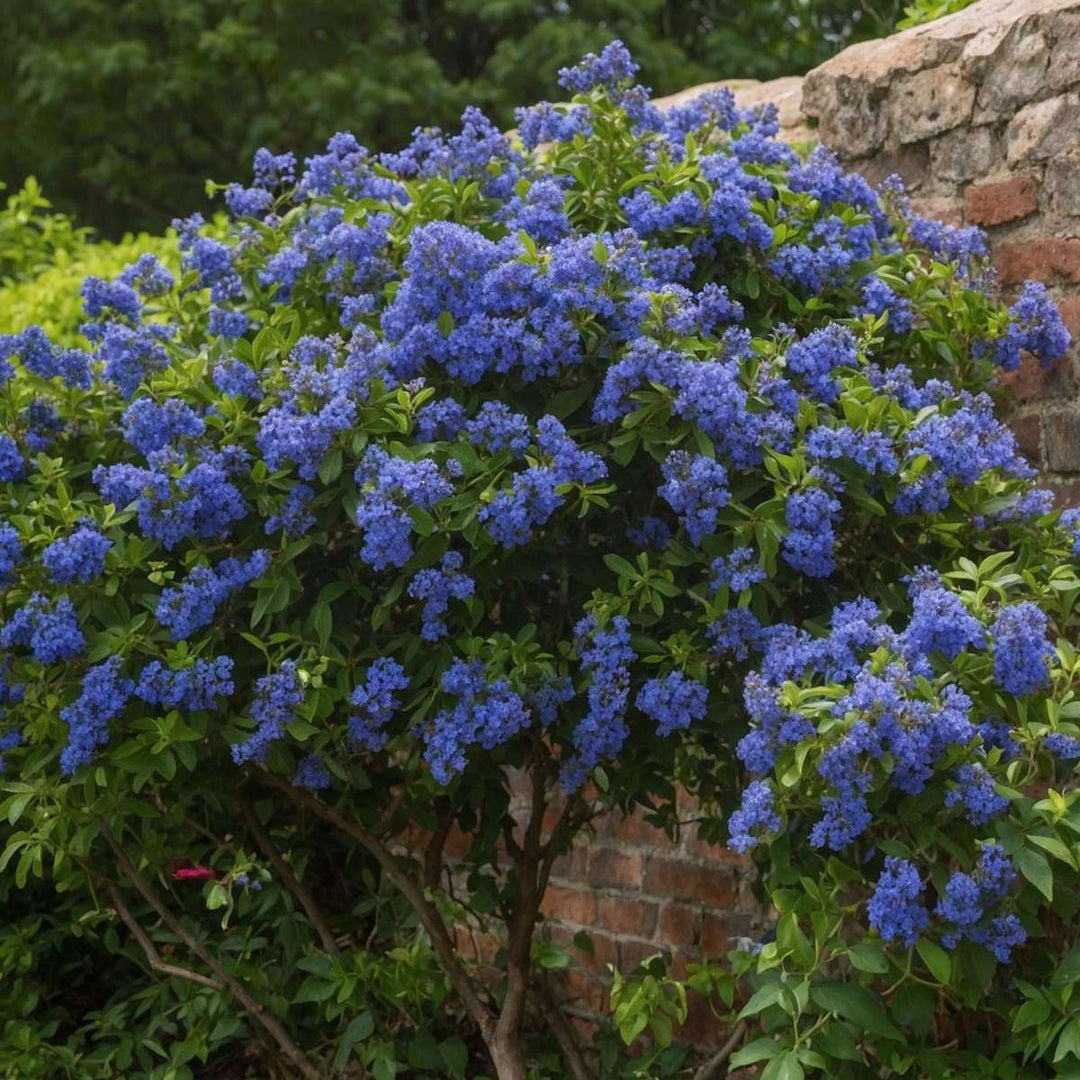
947 208
1007 200
1062 184
687 881
583 991
680 925
1028 432
633 953
1044 129
570 905
573 866
716 935
626 915
1062 441
911 162
1067 493
1040 259
634 829
1070 314
964 153
613 869
930 102
1032 382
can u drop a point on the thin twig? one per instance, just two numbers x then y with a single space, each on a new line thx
250 1005
711 1069
150 952
290 880
556 1020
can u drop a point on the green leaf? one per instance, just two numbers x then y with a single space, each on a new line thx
764 1049
854 1003
360 1027
786 1066
869 956
1036 868
936 959
445 323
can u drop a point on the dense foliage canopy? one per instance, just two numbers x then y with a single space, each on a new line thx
494 485
123 108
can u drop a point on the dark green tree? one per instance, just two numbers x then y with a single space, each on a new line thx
123 108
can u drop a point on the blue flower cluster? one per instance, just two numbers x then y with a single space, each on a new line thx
277 697
376 700
487 714
673 702
192 605
190 689
896 909
606 656
102 698
968 901
695 487
511 515
389 486
11 552
437 588
78 557
50 630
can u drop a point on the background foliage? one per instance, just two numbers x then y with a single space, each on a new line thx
123 108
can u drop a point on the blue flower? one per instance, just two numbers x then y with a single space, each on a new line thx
78 557
673 702
102 698
896 910
50 631
376 700
1022 653
755 819
277 697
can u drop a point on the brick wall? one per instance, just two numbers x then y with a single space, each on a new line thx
980 114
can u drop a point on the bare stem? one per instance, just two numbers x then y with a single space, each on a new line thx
292 883
150 952
711 1070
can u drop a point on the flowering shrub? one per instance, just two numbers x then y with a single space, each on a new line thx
477 488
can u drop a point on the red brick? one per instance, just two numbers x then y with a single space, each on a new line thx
1032 382
1040 259
1062 431
584 991
1070 314
1028 432
636 830
573 866
702 1026
609 868
604 949
680 926
716 935
695 847
1008 200
686 881
633 953
570 905
620 915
